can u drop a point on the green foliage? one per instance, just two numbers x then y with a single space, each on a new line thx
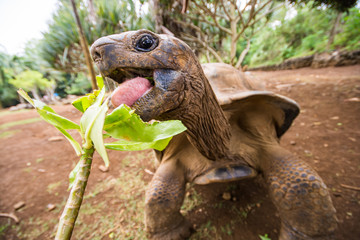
134 134
304 34
338 5
60 46
8 67
265 237
349 38
120 123
78 86
30 80
49 115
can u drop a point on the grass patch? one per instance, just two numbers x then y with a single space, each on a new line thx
206 231
227 229
192 200
114 208
8 134
53 186
265 237
21 122
3 228
28 169
6 112
36 228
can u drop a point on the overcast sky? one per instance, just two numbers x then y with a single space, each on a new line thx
23 20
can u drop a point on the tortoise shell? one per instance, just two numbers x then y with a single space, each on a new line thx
234 91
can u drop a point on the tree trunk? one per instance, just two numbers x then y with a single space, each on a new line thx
243 54
35 94
158 13
233 35
85 48
92 14
334 30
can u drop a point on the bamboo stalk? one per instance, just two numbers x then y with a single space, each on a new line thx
72 207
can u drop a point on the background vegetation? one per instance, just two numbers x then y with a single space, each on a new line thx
241 33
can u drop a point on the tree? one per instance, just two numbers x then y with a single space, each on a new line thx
218 25
84 46
33 81
10 66
224 29
60 46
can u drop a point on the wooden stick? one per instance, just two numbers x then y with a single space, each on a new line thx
10 215
350 187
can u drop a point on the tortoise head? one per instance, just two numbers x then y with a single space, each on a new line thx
154 71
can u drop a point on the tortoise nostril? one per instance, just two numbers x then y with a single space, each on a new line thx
96 55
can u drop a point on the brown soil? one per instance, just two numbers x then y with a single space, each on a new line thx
326 135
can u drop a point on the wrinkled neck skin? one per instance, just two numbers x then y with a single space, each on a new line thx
208 128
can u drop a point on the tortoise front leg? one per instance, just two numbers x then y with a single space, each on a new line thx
164 198
301 197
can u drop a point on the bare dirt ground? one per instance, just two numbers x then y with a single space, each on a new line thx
34 170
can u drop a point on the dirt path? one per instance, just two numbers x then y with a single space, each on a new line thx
34 169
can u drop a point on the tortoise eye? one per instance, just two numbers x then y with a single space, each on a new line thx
146 43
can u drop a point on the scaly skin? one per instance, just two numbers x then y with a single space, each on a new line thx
301 197
164 197
246 135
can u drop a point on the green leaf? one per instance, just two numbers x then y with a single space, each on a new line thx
96 134
50 116
265 237
100 82
134 134
124 145
26 96
88 118
86 101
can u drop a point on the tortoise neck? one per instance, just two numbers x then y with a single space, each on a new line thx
208 128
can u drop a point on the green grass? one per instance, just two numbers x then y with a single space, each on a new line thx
3 228
6 112
36 228
191 201
21 122
265 237
114 208
8 134
206 231
53 186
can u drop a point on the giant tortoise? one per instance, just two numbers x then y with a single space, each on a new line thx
232 134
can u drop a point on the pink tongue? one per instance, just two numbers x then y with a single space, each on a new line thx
130 91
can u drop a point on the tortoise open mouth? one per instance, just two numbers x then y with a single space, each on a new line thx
120 75
134 84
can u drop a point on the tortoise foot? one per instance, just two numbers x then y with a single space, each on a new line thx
179 232
302 199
